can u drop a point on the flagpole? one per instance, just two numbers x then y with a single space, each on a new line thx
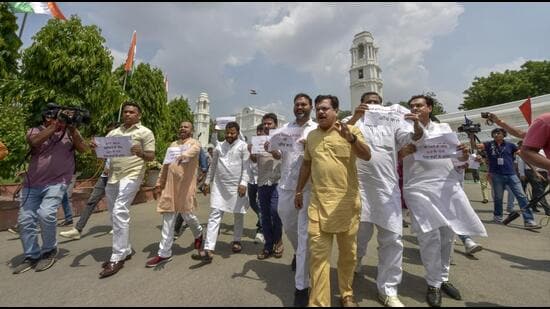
123 89
23 25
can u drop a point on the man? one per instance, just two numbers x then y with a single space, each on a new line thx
438 205
96 196
253 190
50 171
329 157
295 220
228 177
269 173
176 186
125 176
381 202
500 155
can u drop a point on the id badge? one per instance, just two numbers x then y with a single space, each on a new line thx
500 161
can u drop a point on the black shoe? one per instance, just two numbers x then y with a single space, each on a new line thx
450 290
46 260
301 297
27 264
293 265
433 296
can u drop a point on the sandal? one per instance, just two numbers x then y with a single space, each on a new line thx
236 246
264 254
203 255
278 249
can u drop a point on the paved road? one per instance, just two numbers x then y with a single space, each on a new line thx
513 270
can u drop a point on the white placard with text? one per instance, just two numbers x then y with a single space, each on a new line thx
113 146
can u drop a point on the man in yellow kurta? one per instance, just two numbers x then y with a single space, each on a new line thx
178 181
334 208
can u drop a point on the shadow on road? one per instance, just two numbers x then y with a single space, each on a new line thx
525 263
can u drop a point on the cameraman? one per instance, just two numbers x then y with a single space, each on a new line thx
500 155
50 171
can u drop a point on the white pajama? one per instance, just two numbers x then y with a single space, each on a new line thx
295 226
435 251
390 256
214 221
167 234
120 196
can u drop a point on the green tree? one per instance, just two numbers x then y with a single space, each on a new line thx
343 114
179 111
145 86
533 79
9 42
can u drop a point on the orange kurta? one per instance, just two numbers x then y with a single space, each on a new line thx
178 181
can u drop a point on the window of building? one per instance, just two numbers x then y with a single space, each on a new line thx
361 51
360 73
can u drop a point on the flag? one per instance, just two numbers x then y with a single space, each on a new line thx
525 109
252 91
37 8
131 54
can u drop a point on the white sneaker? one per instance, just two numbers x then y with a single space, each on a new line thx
111 232
259 238
72 234
390 301
472 247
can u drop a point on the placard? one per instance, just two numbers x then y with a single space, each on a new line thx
439 147
258 143
285 139
113 146
172 154
221 122
378 115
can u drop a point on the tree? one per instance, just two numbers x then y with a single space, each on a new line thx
533 79
9 42
179 111
343 114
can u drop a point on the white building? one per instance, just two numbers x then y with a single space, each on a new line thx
365 73
201 116
251 117
509 112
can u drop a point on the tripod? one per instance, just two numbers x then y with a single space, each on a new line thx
533 203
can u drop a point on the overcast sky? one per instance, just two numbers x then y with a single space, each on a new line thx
280 49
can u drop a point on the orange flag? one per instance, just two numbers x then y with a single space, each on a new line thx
131 54
56 12
525 109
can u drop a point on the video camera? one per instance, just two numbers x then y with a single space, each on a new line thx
67 114
470 128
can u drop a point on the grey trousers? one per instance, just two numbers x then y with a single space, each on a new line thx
97 194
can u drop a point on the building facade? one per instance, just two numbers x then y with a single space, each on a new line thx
249 118
365 73
201 116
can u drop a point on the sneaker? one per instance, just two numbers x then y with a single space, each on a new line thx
47 260
14 230
433 296
72 234
157 260
497 219
65 223
390 301
301 297
532 225
472 247
450 290
27 264
259 238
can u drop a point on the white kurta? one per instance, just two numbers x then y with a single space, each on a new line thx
229 169
378 178
434 195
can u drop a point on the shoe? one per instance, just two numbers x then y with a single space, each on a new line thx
204 255
72 234
293 264
301 297
27 264
259 238
157 260
46 260
497 219
111 232
532 226
349 301
65 223
198 242
450 290
485 201
433 296
264 255
14 230
236 246
278 249
472 247
111 268
390 301
127 258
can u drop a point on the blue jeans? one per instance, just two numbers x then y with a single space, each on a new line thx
67 207
253 201
499 182
39 206
271 223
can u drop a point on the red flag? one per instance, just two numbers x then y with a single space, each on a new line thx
56 12
131 54
525 109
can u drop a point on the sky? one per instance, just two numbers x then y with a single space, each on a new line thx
281 49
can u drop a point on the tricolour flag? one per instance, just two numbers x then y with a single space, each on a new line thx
131 54
525 109
37 8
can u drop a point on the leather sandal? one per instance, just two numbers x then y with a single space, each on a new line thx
236 246
278 249
264 254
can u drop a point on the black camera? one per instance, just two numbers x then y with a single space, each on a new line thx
67 114
470 128
485 115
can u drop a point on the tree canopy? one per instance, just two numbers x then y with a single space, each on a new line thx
9 42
